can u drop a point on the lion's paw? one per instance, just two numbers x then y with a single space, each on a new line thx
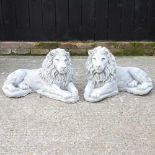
142 86
73 99
66 95
133 83
75 93
95 94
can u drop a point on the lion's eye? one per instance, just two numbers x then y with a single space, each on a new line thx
103 59
94 58
65 60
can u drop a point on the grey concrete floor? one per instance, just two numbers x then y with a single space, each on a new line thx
121 125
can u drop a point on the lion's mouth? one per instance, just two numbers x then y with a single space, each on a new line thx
98 70
62 71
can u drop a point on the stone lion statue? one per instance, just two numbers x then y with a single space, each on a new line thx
106 79
54 79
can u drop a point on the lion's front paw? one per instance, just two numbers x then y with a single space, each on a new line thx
75 93
133 83
66 95
95 94
73 99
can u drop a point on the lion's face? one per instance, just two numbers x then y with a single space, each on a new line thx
57 60
101 65
60 62
56 67
98 59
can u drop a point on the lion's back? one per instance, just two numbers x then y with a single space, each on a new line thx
17 76
33 79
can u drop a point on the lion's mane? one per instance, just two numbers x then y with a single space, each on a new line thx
49 73
109 72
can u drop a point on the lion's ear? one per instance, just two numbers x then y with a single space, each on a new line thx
68 54
49 55
52 51
90 52
105 49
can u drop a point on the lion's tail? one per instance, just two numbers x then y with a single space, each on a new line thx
138 91
10 87
14 91
145 83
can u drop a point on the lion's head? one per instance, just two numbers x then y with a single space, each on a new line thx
56 68
101 65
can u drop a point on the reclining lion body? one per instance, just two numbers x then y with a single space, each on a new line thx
106 79
53 79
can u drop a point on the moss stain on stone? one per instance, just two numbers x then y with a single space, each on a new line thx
136 44
134 52
115 44
46 45
118 53
152 45
81 48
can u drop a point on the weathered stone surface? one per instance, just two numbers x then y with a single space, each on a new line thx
109 45
27 45
46 45
9 45
21 51
36 125
86 45
79 45
118 48
79 52
67 45
127 45
39 51
149 52
5 51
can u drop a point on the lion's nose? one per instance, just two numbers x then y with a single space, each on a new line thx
98 65
63 67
